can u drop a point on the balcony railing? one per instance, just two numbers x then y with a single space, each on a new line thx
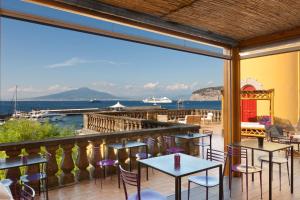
73 158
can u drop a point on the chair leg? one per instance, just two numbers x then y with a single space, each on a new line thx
242 182
206 193
260 178
47 196
230 177
279 177
189 184
247 185
288 171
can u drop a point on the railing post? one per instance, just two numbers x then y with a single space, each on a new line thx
67 164
82 161
52 168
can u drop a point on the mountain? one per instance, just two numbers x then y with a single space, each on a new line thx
207 94
81 94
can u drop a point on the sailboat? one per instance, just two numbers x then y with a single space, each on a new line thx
16 113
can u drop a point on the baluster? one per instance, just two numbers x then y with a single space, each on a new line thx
13 173
96 156
67 164
82 161
52 168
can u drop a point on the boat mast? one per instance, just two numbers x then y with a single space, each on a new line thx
16 99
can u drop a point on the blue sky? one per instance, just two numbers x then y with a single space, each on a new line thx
44 60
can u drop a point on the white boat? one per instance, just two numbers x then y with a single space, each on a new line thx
157 100
43 116
94 100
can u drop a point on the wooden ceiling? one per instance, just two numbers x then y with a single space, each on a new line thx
229 22
237 19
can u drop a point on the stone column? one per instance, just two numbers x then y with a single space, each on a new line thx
67 164
82 161
52 168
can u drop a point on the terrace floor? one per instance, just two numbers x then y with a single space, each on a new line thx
164 184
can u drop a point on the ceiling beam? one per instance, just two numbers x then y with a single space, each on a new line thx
99 10
270 38
95 31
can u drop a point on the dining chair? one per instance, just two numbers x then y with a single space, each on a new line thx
132 179
40 177
103 165
243 168
150 145
203 143
279 161
26 192
171 148
209 181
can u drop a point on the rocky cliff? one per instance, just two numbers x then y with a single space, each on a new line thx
207 94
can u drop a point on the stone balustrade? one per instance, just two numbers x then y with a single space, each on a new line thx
110 121
73 158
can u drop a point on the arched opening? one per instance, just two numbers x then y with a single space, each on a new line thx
248 107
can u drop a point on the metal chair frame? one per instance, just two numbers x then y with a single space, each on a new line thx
213 155
241 153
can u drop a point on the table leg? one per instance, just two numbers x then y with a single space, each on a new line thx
179 188
176 189
292 169
252 161
130 159
139 172
210 137
118 170
147 172
270 174
202 149
221 183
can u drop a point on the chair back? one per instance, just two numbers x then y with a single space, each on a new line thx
169 141
209 115
132 179
150 143
27 192
217 156
239 153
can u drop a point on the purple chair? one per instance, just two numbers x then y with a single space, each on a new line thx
40 177
209 181
27 192
103 165
132 179
143 155
241 153
170 145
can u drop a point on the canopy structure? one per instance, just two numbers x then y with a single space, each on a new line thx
118 105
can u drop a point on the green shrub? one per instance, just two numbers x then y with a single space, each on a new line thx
28 130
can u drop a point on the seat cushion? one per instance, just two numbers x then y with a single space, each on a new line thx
6 182
147 195
243 168
33 177
142 155
107 162
206 181
5 193
175 150
275 159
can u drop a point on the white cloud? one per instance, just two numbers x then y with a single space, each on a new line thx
75 61
178 86
58 88
151 85
26 89
209 83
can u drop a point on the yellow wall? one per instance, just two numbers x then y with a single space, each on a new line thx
280 72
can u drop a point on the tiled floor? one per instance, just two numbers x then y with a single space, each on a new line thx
88 190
